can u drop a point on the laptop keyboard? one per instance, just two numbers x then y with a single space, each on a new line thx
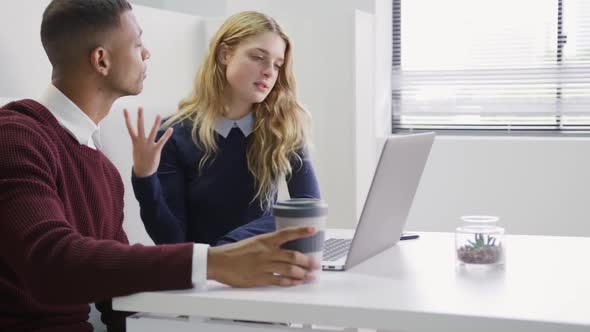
334 249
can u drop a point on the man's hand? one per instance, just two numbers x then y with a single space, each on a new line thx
259 261
146 152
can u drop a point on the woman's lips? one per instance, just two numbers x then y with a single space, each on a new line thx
261 86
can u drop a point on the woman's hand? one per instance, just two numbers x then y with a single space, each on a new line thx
146 152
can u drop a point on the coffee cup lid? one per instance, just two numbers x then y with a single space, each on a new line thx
300 208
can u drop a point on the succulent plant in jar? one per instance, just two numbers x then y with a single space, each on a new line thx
480 241
483 249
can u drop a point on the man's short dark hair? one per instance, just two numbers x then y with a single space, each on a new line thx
70 27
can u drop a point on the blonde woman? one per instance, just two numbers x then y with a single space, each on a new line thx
238 134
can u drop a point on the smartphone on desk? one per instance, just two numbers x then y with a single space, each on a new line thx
408 236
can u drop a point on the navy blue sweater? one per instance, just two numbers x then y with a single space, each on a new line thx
179 204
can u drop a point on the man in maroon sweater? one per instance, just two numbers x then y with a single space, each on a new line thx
62 244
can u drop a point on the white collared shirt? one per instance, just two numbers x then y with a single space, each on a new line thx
71 117
86 132
223 125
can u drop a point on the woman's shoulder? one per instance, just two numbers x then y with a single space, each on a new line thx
182 129
180 145
184 124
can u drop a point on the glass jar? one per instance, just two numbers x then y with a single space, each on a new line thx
479 241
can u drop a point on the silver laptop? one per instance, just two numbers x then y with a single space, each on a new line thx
387 205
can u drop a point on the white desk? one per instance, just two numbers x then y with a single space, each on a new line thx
414 286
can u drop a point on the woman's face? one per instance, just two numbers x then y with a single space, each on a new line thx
253 66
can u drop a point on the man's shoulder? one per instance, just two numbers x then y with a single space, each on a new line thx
10 118
18 128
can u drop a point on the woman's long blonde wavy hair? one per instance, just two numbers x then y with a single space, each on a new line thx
281 125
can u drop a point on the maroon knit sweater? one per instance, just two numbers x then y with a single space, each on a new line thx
62 244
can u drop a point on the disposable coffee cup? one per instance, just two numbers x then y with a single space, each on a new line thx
298 212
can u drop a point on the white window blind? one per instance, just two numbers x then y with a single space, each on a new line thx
491 65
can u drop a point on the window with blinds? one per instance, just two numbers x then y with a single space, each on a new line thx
491 65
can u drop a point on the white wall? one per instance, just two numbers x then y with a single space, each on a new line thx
21 78
203 8
536 185
364 151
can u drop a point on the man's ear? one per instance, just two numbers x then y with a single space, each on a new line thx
223 54
100 61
